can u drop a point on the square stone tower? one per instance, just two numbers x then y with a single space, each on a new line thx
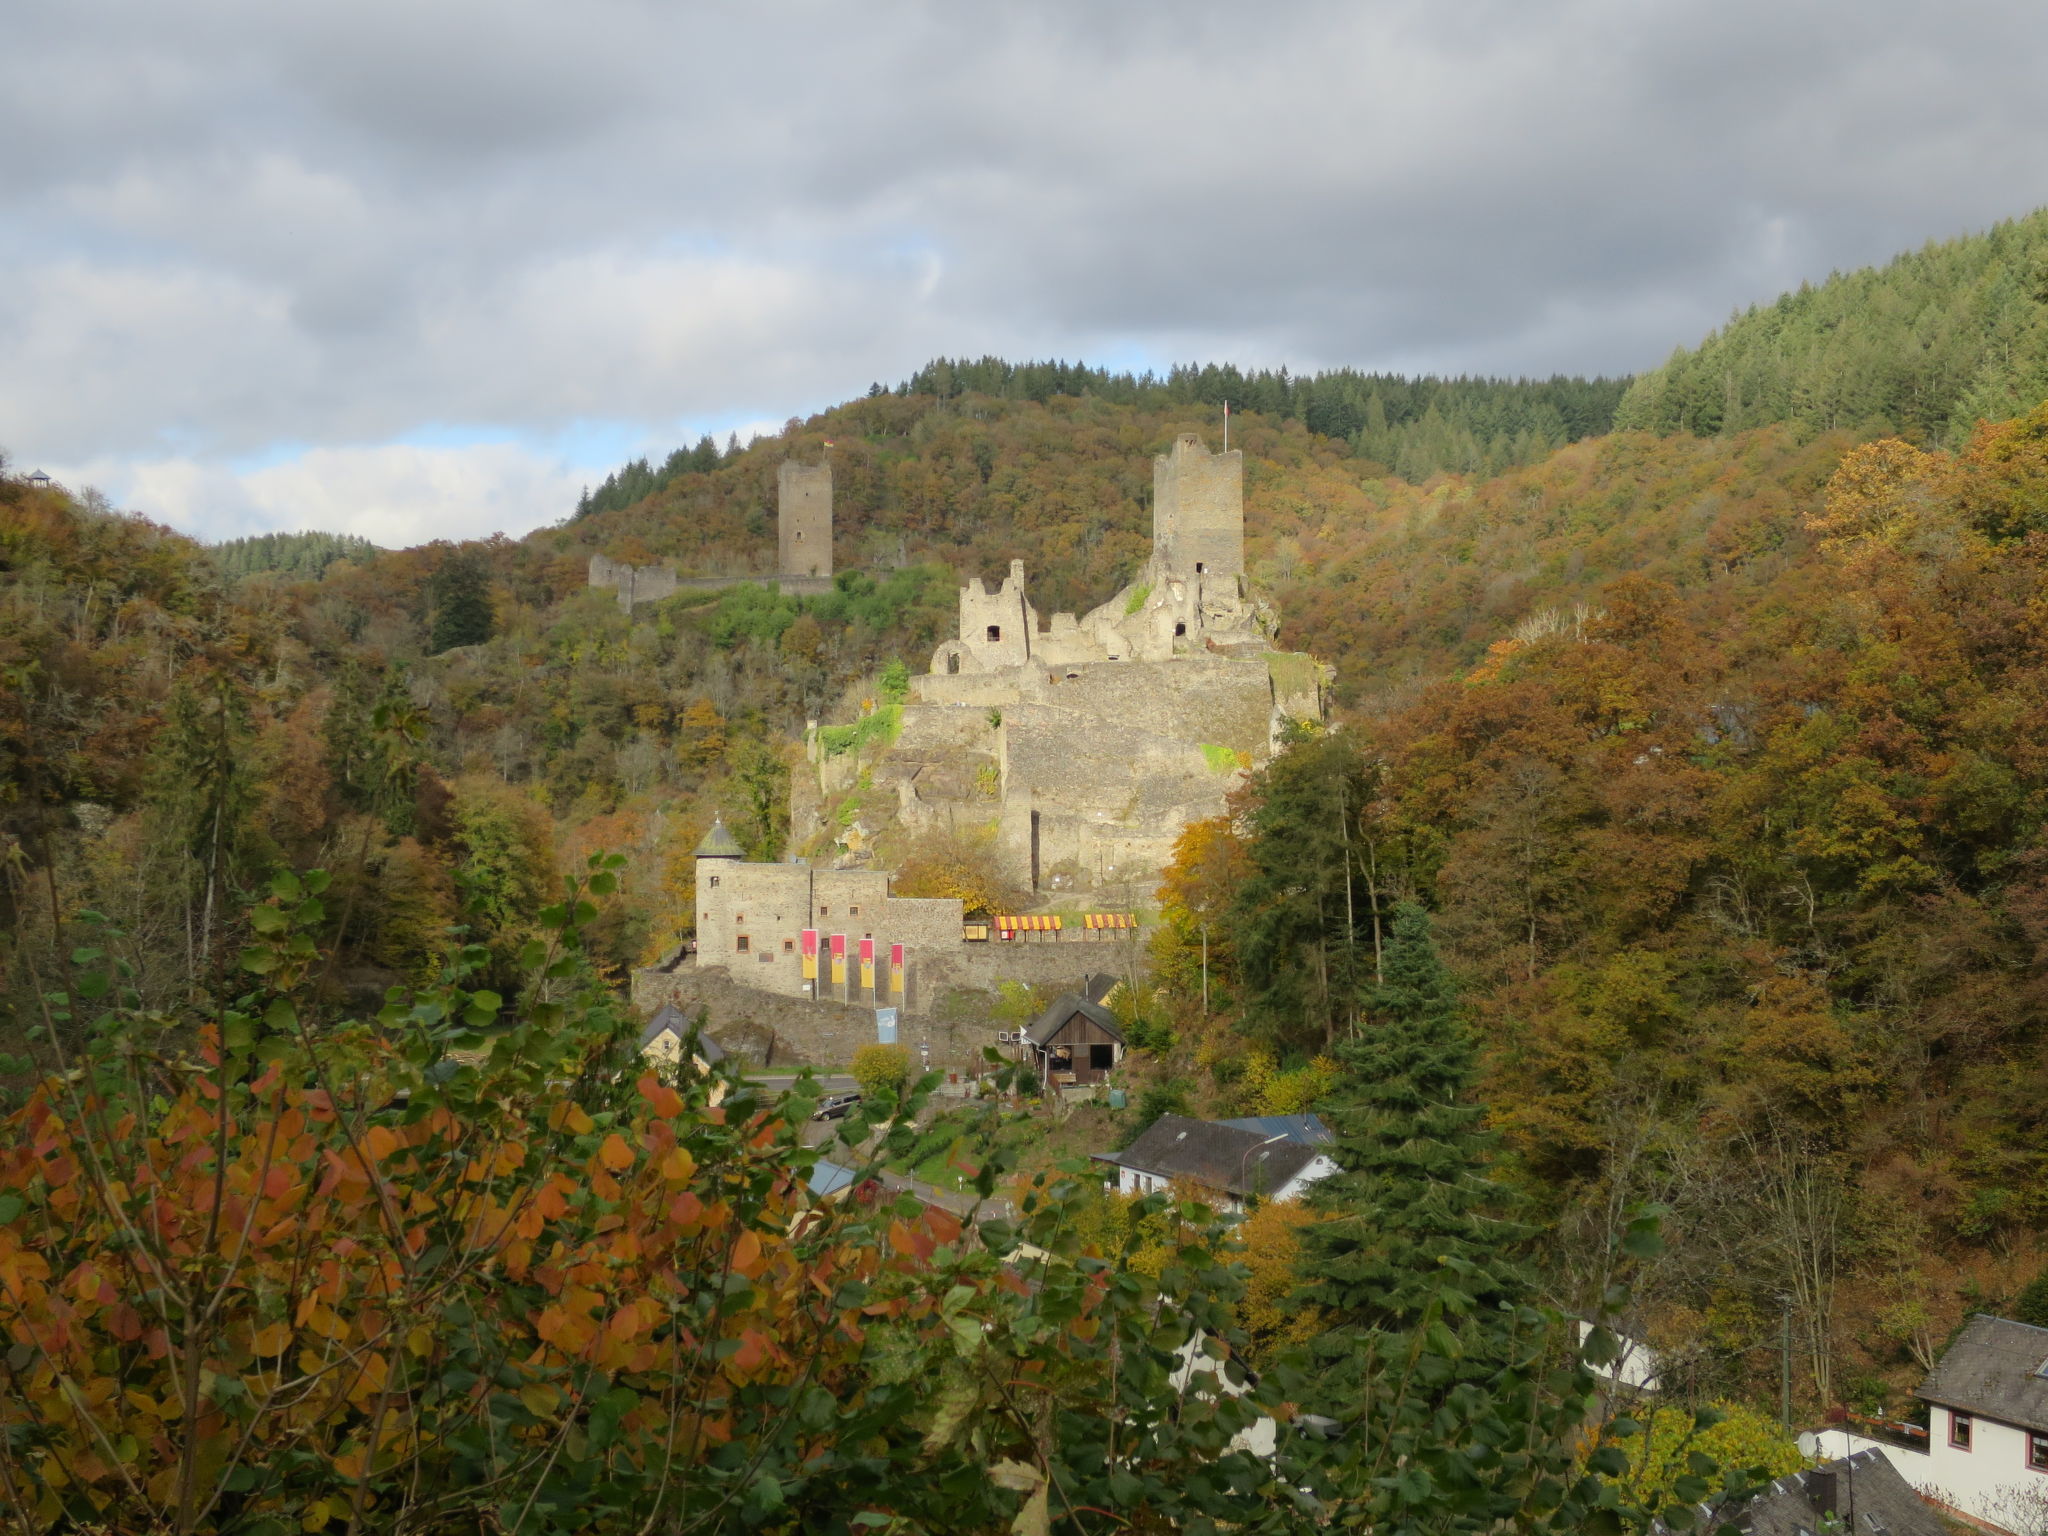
1198 511
803 520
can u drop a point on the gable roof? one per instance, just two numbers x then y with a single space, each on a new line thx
1309 1130
1996 1367
1865 1490
670 1020
1208 1152
1055 1019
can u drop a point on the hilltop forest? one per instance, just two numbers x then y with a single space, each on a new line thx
1704 720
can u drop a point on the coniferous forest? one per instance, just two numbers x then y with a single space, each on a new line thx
1660 926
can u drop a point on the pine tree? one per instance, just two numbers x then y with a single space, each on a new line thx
1412 1212
462 604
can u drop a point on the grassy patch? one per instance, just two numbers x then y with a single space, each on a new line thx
1223 759
1137 599
879 728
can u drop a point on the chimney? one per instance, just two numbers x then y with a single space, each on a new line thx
1820 1487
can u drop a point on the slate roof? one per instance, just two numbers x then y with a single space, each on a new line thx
1996 1367
1096 988
1208 1152
1309 1130
828 1178
668 1018
1868 1493
1054 1019
720 844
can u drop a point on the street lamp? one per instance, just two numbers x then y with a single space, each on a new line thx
1248 1151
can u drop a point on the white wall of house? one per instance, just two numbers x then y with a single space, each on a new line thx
1318 1167
1992 1479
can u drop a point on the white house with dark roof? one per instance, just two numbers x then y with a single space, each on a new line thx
1987 1428
1987 1425
1232 1163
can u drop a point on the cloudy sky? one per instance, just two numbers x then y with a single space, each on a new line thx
421 268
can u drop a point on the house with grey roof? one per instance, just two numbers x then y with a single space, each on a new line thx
669 1033
1231 1164
1859 1495
1987 1428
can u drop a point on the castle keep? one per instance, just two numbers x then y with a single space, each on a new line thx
803 540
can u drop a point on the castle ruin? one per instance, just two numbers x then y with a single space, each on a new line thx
1087 743
1083 745
803 525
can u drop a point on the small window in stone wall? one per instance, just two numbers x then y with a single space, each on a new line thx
853 911
824 911
995 633
789 946
1199 567
741 943
2037 1452
739 917
714 882
1180 629
1959 1430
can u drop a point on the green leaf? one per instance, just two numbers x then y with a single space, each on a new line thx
281 1016
267 919
11 1207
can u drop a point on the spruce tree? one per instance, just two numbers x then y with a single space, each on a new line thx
1411 1213
462 603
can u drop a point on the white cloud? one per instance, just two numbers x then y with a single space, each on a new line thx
394 495
227 225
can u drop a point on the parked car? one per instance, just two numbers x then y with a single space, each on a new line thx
835 1106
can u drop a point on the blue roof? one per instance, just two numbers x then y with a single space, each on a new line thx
829 1178
1309 1130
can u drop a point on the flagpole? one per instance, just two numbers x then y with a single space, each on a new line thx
1226 426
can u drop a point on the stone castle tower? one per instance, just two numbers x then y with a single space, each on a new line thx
803 522
1198 511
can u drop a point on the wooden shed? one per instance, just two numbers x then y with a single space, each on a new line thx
1074 1042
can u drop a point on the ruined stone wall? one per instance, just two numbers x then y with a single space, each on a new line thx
996 625
803 521
634 583
1198 510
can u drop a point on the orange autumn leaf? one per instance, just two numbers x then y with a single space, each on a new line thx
615 1154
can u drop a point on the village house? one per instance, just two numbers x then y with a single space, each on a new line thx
1987 1428
1231 1164
666 1036
1859 1495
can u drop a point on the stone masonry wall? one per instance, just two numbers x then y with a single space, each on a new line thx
956 1024
1198 509
803 520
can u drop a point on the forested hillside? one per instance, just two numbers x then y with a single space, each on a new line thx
1713 755
1738 852
1925 347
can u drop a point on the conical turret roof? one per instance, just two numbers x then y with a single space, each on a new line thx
720 844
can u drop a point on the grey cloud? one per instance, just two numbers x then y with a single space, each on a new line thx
230 224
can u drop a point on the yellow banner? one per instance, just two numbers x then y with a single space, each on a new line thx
867 972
